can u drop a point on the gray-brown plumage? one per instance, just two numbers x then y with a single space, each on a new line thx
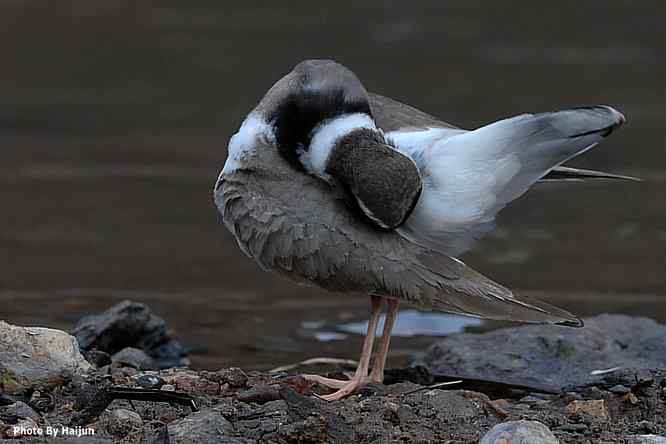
301 227
318 141
392 115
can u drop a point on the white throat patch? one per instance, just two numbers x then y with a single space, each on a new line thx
244 141
325 137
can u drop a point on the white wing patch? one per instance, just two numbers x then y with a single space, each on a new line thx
469 176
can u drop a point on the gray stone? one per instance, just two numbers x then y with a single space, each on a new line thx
24 428
519 432
123 423
647 439
452 403
551 355
619 389
202 427
149 381
34 357
260 394
21 410
133 357
233 376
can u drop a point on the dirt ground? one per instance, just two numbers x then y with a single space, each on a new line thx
238 407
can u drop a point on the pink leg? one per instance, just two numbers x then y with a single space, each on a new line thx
377 374
360 377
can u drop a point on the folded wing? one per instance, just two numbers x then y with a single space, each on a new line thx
469 176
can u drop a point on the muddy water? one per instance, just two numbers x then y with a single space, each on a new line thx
114 120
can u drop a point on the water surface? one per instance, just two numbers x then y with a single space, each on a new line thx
114 119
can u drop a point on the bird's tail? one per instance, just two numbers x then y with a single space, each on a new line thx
526 148
563 173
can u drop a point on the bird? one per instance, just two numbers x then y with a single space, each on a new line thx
328 184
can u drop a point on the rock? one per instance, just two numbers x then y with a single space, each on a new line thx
191 382
619 389
551 355
630 398
97 358
646 426
310 430
150 381
573 428
41 402
234 376
20 410
260 394
454 404
196 384
131 324
133 357
34 357
519 432
597 408
123 423
201 427
23 428
647 439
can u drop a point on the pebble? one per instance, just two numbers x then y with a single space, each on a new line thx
574 428
190 382
121 422
619 389
21 410
150 381
25 424
97 358
646 426
648 439
41 402
530 399
133 357
201 427
596 408
234 376
260 394
519 432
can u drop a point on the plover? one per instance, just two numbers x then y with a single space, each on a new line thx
351 191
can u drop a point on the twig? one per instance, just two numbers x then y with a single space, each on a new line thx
315 361
432 387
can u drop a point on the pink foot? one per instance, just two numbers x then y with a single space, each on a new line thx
344 388
350 387
326 382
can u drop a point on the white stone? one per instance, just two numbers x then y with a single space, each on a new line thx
35 357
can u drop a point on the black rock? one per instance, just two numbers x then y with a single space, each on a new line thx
96 357
130 324
553 355
133 357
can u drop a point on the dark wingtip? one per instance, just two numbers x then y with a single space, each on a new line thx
606 131
576 322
